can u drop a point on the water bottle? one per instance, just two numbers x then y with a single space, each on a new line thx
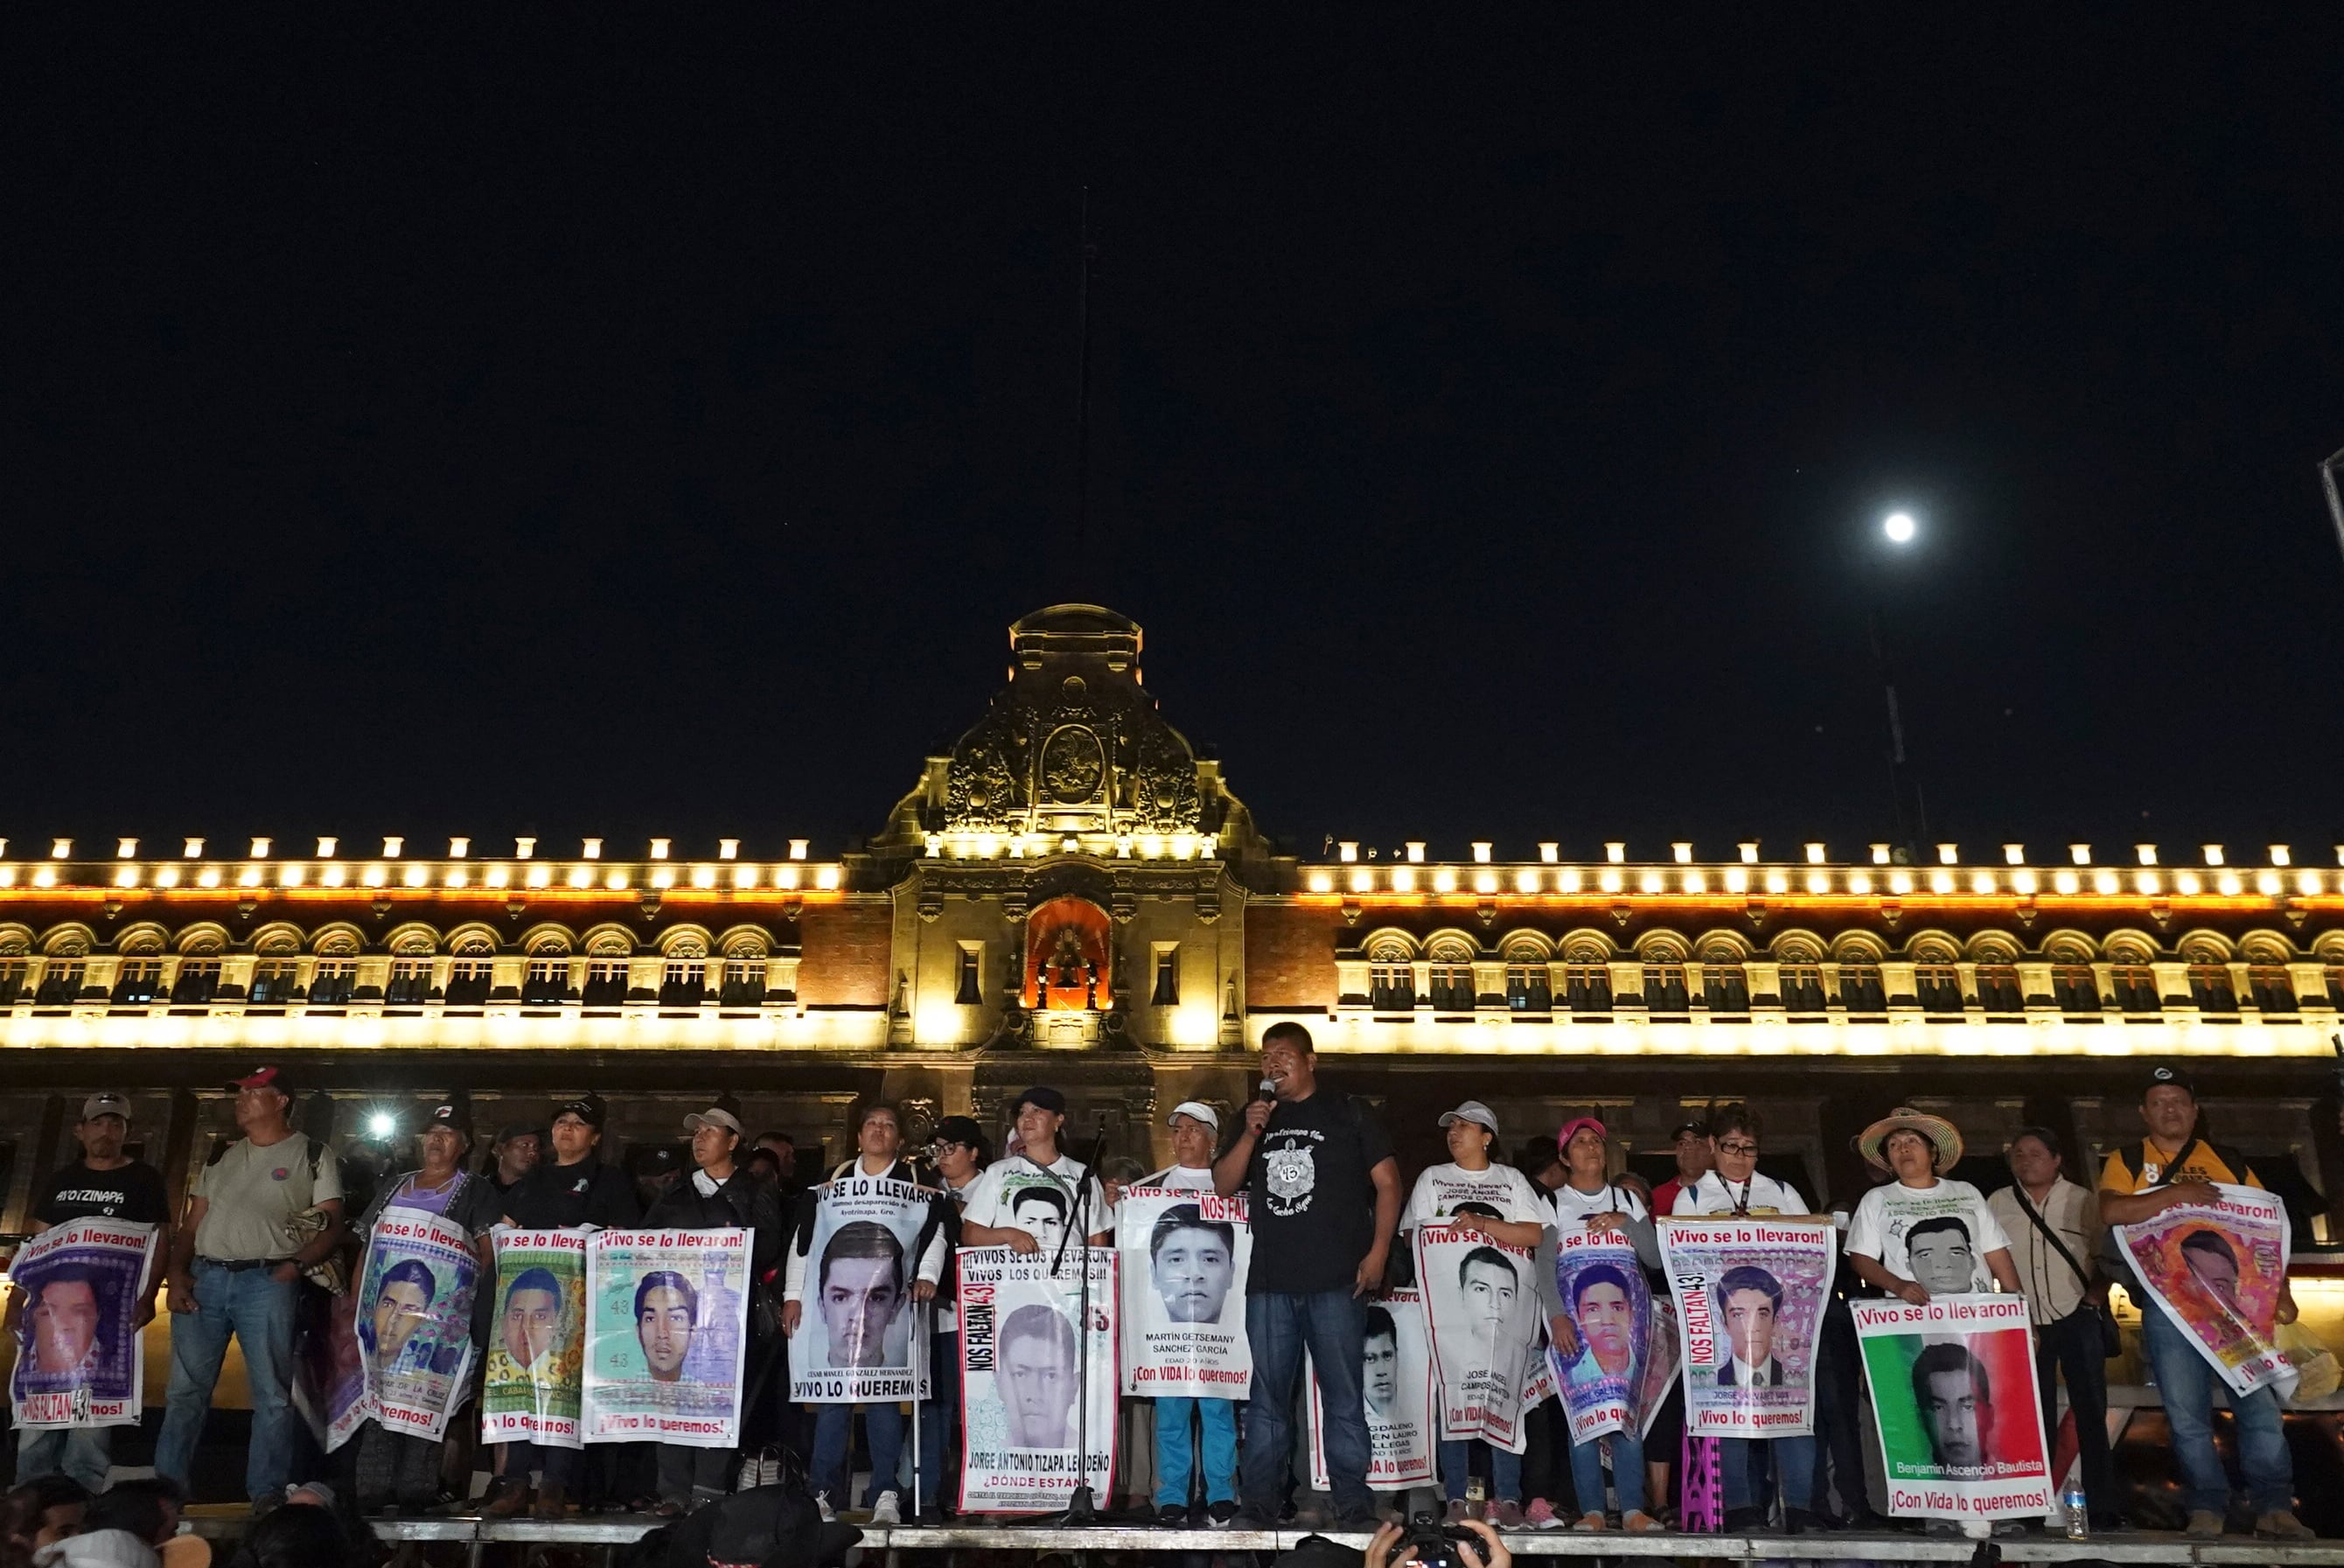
1477 1498
2079 1519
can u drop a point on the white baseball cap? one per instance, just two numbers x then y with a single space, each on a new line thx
1474 1111
1198 1109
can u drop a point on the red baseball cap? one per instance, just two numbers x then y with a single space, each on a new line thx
264 1078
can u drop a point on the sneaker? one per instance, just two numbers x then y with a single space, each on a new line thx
2205 1524
1541 1515
1591 1522
888 1509
1172 1516
1507 1515
1640 1523
1222 1515
821 1506
2281 1524
1459 1512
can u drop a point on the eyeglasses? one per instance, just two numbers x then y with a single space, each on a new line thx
1744 1147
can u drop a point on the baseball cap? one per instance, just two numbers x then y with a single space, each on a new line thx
1696 1127
105 1103
959 1129
1578 1124
1198 1109
1474 1111
714 1116
587 1108
1049 1099
270 1078
513 1129
454 1114
2167 1076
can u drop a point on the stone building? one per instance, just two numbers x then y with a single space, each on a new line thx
1072 896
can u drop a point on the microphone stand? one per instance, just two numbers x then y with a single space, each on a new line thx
1082 1507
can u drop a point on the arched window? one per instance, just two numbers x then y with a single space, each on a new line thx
2273 987
546 982
14 967
1724 983
1391 978
275 972
1451 977
744 976
2134 983
1860 990
138 979
471 974
683 975
1998 988
2073 985
1664 983
1937 983
1586 980
2209 981
1529 988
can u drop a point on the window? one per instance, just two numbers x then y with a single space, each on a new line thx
1168 978
606 982
546 982
60 983
744 981
1937 988
410 981
334 982
12 979
1529 988
2336 984
1392 987
1802 987
272 982
1452 988
139 981
1860 990
2274 991
683 982
1587 988
2209 988
1664 988
468 981
1997 988
1724 987
2075 988
2135 987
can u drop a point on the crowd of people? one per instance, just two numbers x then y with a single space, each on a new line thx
266 1236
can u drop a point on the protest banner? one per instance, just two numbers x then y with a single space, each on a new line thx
413 1317
1604 1293
1482 1309
667 1336
2216 1271
1749 1295
329 1381
1022 1371
80 1359
1663 1357
1396 1382
1183 1258
861 1259
1954 1399
536 1338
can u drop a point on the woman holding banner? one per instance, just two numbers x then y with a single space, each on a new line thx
1476 1197
1593 1330
398 1470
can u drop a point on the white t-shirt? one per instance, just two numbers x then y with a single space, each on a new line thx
1504 1188
1016 1194
1760 1195
1172 1178
1573 1207
1886 1219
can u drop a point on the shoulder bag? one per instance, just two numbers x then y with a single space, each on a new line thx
2111 1336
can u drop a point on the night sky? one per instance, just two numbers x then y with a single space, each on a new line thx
588 431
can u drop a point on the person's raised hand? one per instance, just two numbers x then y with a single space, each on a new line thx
1497 1556
1380 1545
1257 1115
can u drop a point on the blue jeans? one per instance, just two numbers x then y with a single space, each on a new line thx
259 1311
1175 1455
84 1453
1456 1460
2185 1380
1627 1471
882 1423
1795 1470
939 1416
1333 1326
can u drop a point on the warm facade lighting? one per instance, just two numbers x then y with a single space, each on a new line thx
1481 851
2148 853
1749 849
524 848
590 849
259 849
659 848
1616 853
1347 850
329 847
1682 853
2014 854
1416 852
1550 852
458 848
2280 855
2213 855
60 848
1880 855
1814 854
209 876
798 848
289 875
192 849
728 849
126 849
393 847
2080 854
1949 854
416 875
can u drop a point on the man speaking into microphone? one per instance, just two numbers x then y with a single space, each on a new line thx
1322 1191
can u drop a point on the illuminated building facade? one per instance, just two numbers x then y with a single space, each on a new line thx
1072 896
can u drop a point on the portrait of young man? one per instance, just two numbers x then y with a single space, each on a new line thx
1956 1403
860 1294
1751 1299
1192 1262
666 1312
1036 1379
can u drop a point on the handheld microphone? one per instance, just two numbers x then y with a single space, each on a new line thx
1270 1087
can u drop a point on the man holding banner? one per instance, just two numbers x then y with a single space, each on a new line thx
2209 1306
79 1357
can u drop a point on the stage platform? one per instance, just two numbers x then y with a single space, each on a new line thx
604 1535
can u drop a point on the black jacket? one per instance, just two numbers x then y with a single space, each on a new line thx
740 1203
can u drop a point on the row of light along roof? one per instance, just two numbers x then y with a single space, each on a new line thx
459 871
1816 874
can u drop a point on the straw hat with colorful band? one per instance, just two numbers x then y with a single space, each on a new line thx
1576 1124
1870 1142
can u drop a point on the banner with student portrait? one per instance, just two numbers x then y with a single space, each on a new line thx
1481 1306
854 1343
80 1358
1605 1295
1182 1259
667 1337
1954 1399
2216 1271
537 1338
1749 1295
1025 1443
413 1319
1397 1387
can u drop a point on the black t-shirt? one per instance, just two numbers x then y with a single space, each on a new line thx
1312 1207
76 1192
564 1197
